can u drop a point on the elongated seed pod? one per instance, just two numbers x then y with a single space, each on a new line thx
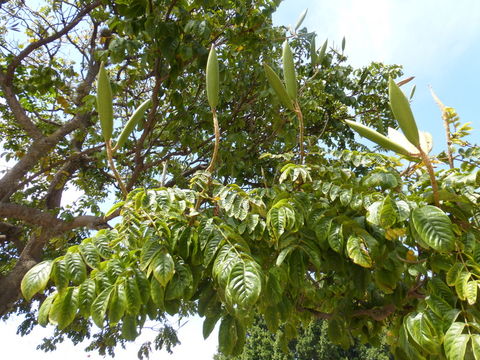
313 52
289 71
300 19
131 123
322 52
213 82
104 103
377 138
403 113
278 87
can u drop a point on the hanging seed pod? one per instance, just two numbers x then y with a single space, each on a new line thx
403 113
105 103
213 82
131 123
377 138
289 71
278 87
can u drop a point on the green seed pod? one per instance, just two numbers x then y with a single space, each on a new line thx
131 123
377 138
213 82
289 71
403 113
105 103
278 87
313 52
322 52
300 19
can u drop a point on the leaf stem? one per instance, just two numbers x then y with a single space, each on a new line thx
216 129
431 174
111 164
298 112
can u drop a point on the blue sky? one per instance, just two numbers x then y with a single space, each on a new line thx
437 41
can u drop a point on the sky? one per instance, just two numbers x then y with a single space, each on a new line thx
437 41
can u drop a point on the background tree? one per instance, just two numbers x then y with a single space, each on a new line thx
312 343
51 138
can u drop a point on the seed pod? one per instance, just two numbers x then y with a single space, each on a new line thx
403 113
131 123
289 71
322 52
343 44
377 138
313 52
300 19
104 103
213 82
278 87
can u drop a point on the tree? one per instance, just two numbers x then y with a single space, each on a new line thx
301 233
312 343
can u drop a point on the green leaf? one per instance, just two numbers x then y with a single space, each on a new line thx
86 295
452 274
403 113
476 346
181 282
163 267
434 228
90 254
143 285
150 249
158 293
455 343
357 251
134 299
60 274
278 87
44 310
129 327
471 292
244 284
277 221
117 304
284 253
227 335
423 335
209 324
100 305
77 271
388 213
64 308
215 241
36 279
335 237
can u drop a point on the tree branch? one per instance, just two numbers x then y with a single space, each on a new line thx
47 220
43 41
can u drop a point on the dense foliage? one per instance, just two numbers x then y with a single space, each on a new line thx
312 343
285 222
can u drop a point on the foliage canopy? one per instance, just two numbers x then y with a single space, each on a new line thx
290 218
